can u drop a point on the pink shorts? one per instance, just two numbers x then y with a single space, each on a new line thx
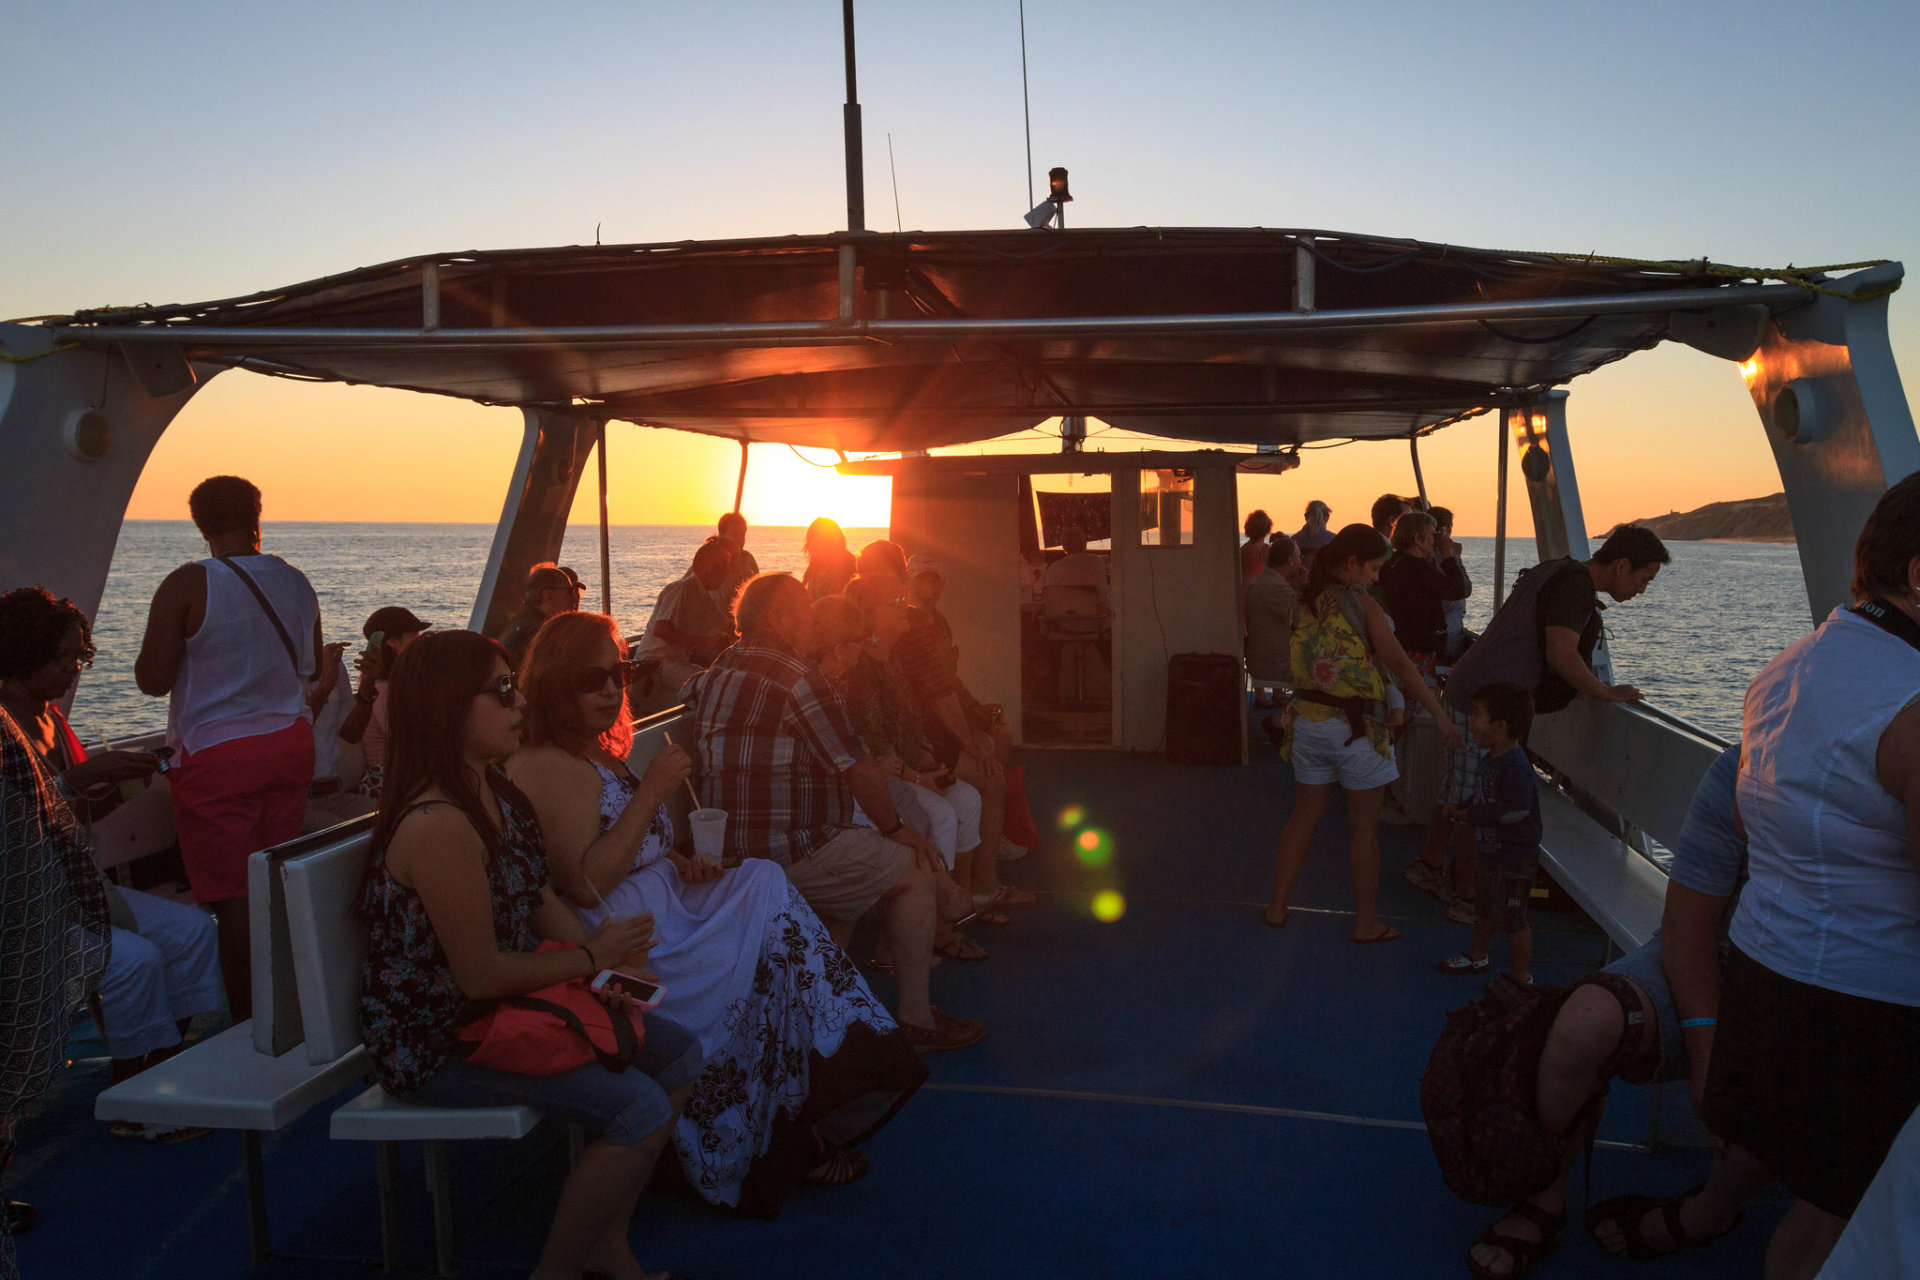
236 798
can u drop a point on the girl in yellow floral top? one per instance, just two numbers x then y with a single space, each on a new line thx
1337 728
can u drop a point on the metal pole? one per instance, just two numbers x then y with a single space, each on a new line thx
856 181
1500 518
740 485
1026 103
1419 480
606 550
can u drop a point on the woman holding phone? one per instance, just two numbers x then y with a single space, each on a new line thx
803 1062
457 893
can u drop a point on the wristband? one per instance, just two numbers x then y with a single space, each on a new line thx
590 958
1698 1022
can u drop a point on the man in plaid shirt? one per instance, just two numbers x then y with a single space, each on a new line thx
775 749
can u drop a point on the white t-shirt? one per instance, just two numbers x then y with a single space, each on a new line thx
1082 570
235 679
1834 898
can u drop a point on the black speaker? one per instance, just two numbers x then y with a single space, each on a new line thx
1203 708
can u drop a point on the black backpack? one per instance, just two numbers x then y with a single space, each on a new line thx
1478 1091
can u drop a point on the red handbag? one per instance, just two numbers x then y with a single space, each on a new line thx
551 1031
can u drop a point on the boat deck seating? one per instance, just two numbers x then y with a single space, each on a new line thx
1636 767
328 945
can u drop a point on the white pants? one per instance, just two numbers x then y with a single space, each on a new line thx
950 822
167 971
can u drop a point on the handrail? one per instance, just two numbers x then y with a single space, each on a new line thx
1679 722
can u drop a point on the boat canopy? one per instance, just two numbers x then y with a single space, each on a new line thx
876 342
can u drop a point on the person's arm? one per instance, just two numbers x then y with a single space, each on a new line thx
439 855
565 791
1563 655
1381 639
1897 760
1455 583
869 786
372 666
168 627
1690 954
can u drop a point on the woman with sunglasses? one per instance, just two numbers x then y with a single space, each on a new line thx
457 893
803 1062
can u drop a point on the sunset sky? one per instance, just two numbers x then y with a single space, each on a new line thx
187 151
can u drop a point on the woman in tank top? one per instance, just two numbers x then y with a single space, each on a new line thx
1337 727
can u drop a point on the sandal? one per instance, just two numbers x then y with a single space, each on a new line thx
1387 934
839 1168
945 1033
1464 963
1526 1254
1012 896
959 947
1628 1212
987 910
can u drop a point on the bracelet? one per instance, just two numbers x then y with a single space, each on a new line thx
1698 1022
590 958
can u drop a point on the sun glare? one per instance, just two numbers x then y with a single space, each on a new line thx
785 488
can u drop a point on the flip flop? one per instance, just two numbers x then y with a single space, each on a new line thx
1013 897
1281 923
1387 934
959 948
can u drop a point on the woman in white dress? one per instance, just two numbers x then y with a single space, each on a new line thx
803 1062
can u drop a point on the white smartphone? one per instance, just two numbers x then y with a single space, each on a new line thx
639 990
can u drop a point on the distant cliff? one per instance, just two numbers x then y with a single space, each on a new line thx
1745 520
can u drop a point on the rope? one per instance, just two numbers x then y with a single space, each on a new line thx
38 355
1802 276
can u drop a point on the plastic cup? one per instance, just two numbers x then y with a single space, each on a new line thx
709 834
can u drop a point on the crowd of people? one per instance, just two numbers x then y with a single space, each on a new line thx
518 844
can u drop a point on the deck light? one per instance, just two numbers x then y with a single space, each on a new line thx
1057 186
1049 212
1108 906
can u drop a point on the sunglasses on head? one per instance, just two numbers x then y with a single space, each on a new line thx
594 679
503 688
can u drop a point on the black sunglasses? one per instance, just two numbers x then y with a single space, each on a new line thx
503 688
594 679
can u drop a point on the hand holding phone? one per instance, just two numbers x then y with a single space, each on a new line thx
644 994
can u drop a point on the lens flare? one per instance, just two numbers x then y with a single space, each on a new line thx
1108 906
1092 848
1072 816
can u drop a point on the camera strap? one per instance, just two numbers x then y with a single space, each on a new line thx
279 627
1888 619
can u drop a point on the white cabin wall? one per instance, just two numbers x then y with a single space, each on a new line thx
1170 600
63 512
971 524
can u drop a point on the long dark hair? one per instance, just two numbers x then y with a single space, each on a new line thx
32 625
1355 542
429 694
560 651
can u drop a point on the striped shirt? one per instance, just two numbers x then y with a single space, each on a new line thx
772 741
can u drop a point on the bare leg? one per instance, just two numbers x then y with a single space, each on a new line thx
985 864
908 915
1309 803
1801 1242
1363 859
1519 953
1585 1032
592 1220
236 955
1736 1178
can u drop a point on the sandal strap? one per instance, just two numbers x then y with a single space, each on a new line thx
1550 1224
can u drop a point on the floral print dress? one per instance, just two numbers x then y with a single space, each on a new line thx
801 1056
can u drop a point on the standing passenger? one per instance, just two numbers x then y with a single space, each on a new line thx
388 632
733 532
233 639
687 629
1314 534
1272 597
1444 549
1816 1052
1338 730
829 563
1253 552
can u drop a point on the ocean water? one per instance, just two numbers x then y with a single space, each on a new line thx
1711 620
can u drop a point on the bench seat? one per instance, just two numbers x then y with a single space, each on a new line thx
378 1116
1622 891
225 1083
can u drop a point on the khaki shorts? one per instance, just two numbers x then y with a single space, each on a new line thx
844 877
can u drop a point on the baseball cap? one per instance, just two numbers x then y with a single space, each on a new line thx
923 564
393 621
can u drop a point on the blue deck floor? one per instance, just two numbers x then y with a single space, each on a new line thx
1181 1093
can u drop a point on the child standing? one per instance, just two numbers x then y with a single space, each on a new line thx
1505 817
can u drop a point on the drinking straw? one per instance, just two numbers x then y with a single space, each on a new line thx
686 782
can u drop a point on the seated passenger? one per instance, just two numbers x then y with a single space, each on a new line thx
164 966
550 589
1079 568
1666 1037
803 1063
829 563
458 898
881 556
775 749
733 532
1415 590
1444 549
934 802
389 630
1272 597
687 629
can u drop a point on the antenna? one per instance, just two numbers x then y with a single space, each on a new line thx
896 184
1026 105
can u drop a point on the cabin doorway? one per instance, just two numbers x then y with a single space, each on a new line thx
1066 610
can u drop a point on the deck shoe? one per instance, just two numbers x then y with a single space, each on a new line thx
945 1033
1428 878
1464 963
1461 911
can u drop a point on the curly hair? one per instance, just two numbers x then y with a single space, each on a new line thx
32 625
224 504
561 649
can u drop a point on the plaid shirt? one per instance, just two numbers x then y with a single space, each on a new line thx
773 738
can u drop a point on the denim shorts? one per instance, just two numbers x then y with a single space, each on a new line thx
1502 893
1644 967
621 1107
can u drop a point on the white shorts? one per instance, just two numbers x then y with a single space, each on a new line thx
1322 755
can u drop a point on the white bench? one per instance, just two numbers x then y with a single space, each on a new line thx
228 1082
1622 891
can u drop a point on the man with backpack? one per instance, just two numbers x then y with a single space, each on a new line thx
1647 1018
1542 639
234 641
